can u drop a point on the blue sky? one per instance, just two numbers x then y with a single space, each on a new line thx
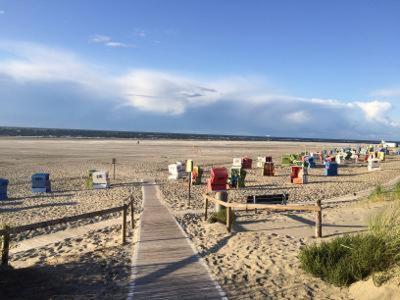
288 68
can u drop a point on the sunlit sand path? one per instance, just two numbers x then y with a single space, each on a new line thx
59 236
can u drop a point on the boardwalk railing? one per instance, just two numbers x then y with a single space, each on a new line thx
231 206
7 231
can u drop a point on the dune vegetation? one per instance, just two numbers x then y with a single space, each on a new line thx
349 258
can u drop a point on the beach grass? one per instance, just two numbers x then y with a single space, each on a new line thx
350 258
346 259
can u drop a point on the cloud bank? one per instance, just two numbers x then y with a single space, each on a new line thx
249 101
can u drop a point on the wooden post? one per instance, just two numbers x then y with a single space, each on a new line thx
228 219
318 220
223 196
113 162
132 216
205 209
124 224
189 186
6 248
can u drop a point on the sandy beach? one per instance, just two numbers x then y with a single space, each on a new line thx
257 260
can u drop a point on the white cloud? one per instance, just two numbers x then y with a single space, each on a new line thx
108 41
375 110
393 92
140 32
163 92
249 99
378 111
117 45
298 117
98 38
32 62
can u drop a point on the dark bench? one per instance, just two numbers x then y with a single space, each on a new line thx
268 199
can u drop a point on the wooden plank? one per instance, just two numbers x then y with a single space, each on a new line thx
166 265
244 206
88 215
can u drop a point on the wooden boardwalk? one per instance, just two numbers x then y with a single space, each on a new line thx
165 265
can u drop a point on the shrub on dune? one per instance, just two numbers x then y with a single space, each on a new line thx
350 258
345 259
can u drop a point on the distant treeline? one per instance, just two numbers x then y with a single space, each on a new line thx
83 133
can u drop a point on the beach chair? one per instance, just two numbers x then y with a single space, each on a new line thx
176 170
218 179
261 160
311 161
189 166
286 160
331 168
381 156
237 162
374 165
41 183
3 189
298 175
197 175
268 169
237 177
247 163
89 179
101 180
348 155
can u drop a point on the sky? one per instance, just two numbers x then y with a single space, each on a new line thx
328 69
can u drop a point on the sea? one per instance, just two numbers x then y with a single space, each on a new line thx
85 133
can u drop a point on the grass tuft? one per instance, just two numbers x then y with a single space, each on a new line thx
346 259
378 194
396 192
349 258
386 224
